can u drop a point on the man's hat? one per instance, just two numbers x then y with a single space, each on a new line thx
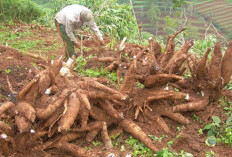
87 16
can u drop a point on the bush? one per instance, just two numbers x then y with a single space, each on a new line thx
23 10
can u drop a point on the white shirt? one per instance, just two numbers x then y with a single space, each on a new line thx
69 16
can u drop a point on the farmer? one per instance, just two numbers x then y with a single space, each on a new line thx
74 17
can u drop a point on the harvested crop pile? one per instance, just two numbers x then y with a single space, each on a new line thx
56 106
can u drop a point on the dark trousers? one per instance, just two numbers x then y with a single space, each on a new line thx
68 44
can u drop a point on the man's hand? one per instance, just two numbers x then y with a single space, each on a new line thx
77 45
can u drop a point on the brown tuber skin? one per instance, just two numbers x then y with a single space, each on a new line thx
201 68
129 81
105 137
158 120
44 113
215 67
5 106
178 58
70 115
25 109
25 89
84 99
226 70
22 123
73 149
168 95
6 129
192 106
160 79
136 131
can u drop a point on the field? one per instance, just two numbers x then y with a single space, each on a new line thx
200 17
144 105
219 11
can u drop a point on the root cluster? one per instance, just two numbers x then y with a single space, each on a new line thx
58 106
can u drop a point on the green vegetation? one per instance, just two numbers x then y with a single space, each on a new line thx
139 149
107 14
219 130
79 67
25 41
24 10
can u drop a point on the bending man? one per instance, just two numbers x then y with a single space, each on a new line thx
74 17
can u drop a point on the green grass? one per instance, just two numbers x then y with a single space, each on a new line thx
26 41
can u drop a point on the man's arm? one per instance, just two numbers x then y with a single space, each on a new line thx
97 32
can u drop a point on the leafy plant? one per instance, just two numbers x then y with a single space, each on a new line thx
139 85
117 140
219 131
165 152
7 71
210 154
96 143
157 138
213 129
139 149
79 67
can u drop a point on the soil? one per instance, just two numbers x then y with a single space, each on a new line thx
20 69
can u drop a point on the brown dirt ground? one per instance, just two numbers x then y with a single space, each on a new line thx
22 70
